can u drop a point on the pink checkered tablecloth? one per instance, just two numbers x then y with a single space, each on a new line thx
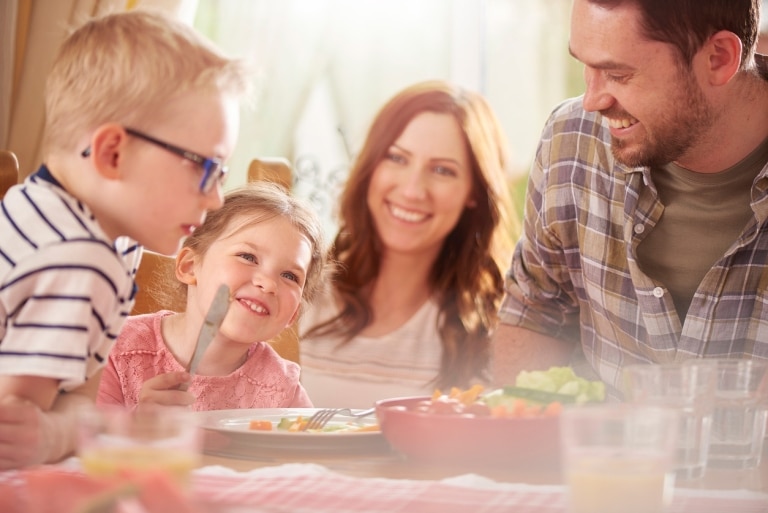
312 488
290 488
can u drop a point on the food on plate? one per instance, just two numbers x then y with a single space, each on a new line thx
260 425
535 393
296 424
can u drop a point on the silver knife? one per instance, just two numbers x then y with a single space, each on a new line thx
213 319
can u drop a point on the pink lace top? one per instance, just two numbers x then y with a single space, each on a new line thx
265 380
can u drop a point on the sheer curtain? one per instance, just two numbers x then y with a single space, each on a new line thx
326 66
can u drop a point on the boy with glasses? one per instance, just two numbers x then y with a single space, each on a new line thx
141 112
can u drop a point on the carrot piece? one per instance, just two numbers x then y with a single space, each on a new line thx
500 412
298 424
518 408
553 409
470 395
260 425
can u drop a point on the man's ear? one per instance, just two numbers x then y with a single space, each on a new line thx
107 143
185 266
723 53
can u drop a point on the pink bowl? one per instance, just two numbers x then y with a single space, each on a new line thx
457 438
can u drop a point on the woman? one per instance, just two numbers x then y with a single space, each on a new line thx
425 232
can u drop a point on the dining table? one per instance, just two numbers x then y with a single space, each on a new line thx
374 478
384 481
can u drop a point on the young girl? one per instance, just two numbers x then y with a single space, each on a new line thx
267 247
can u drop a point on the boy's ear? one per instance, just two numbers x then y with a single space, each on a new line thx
185 266
723 53
106 144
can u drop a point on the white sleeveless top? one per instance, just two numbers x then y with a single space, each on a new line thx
366 369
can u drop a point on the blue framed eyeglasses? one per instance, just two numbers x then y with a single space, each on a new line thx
214 170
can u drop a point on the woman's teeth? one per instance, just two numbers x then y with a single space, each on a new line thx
406 215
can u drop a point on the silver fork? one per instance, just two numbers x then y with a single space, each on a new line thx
322 417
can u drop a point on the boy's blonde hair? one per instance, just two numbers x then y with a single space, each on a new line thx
255 203
125 68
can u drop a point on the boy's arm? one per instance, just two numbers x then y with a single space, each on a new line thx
39 390
32 434
515 349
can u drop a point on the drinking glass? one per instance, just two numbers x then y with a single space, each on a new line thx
687 387
114 440
618 458
741 409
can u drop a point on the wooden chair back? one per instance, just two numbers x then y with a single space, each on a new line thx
271 169
9 171
156 281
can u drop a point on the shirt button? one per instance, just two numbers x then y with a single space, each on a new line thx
658 292
639 228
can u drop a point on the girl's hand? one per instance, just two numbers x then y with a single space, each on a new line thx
164 389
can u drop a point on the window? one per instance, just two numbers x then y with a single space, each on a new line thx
326 66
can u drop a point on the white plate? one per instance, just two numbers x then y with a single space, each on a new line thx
227 433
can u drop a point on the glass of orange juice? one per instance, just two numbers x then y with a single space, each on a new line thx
115 441
618 458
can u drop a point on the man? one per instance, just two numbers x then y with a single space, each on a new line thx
645 235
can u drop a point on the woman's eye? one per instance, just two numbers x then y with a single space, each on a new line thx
443 170
394 157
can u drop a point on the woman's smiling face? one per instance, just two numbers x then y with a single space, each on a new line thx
420 189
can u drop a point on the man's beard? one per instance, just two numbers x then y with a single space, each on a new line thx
688 116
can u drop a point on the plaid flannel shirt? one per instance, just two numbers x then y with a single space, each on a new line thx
575 275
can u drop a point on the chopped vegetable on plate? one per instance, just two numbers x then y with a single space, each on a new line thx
295 425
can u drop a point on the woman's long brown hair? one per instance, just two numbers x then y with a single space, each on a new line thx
467 277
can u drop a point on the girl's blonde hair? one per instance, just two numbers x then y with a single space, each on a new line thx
125 68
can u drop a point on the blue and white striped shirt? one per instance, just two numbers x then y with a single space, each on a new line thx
65 287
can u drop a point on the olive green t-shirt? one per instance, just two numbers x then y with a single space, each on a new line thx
703 215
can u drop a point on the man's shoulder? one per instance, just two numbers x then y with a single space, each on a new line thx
569 115
570 129
570 107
